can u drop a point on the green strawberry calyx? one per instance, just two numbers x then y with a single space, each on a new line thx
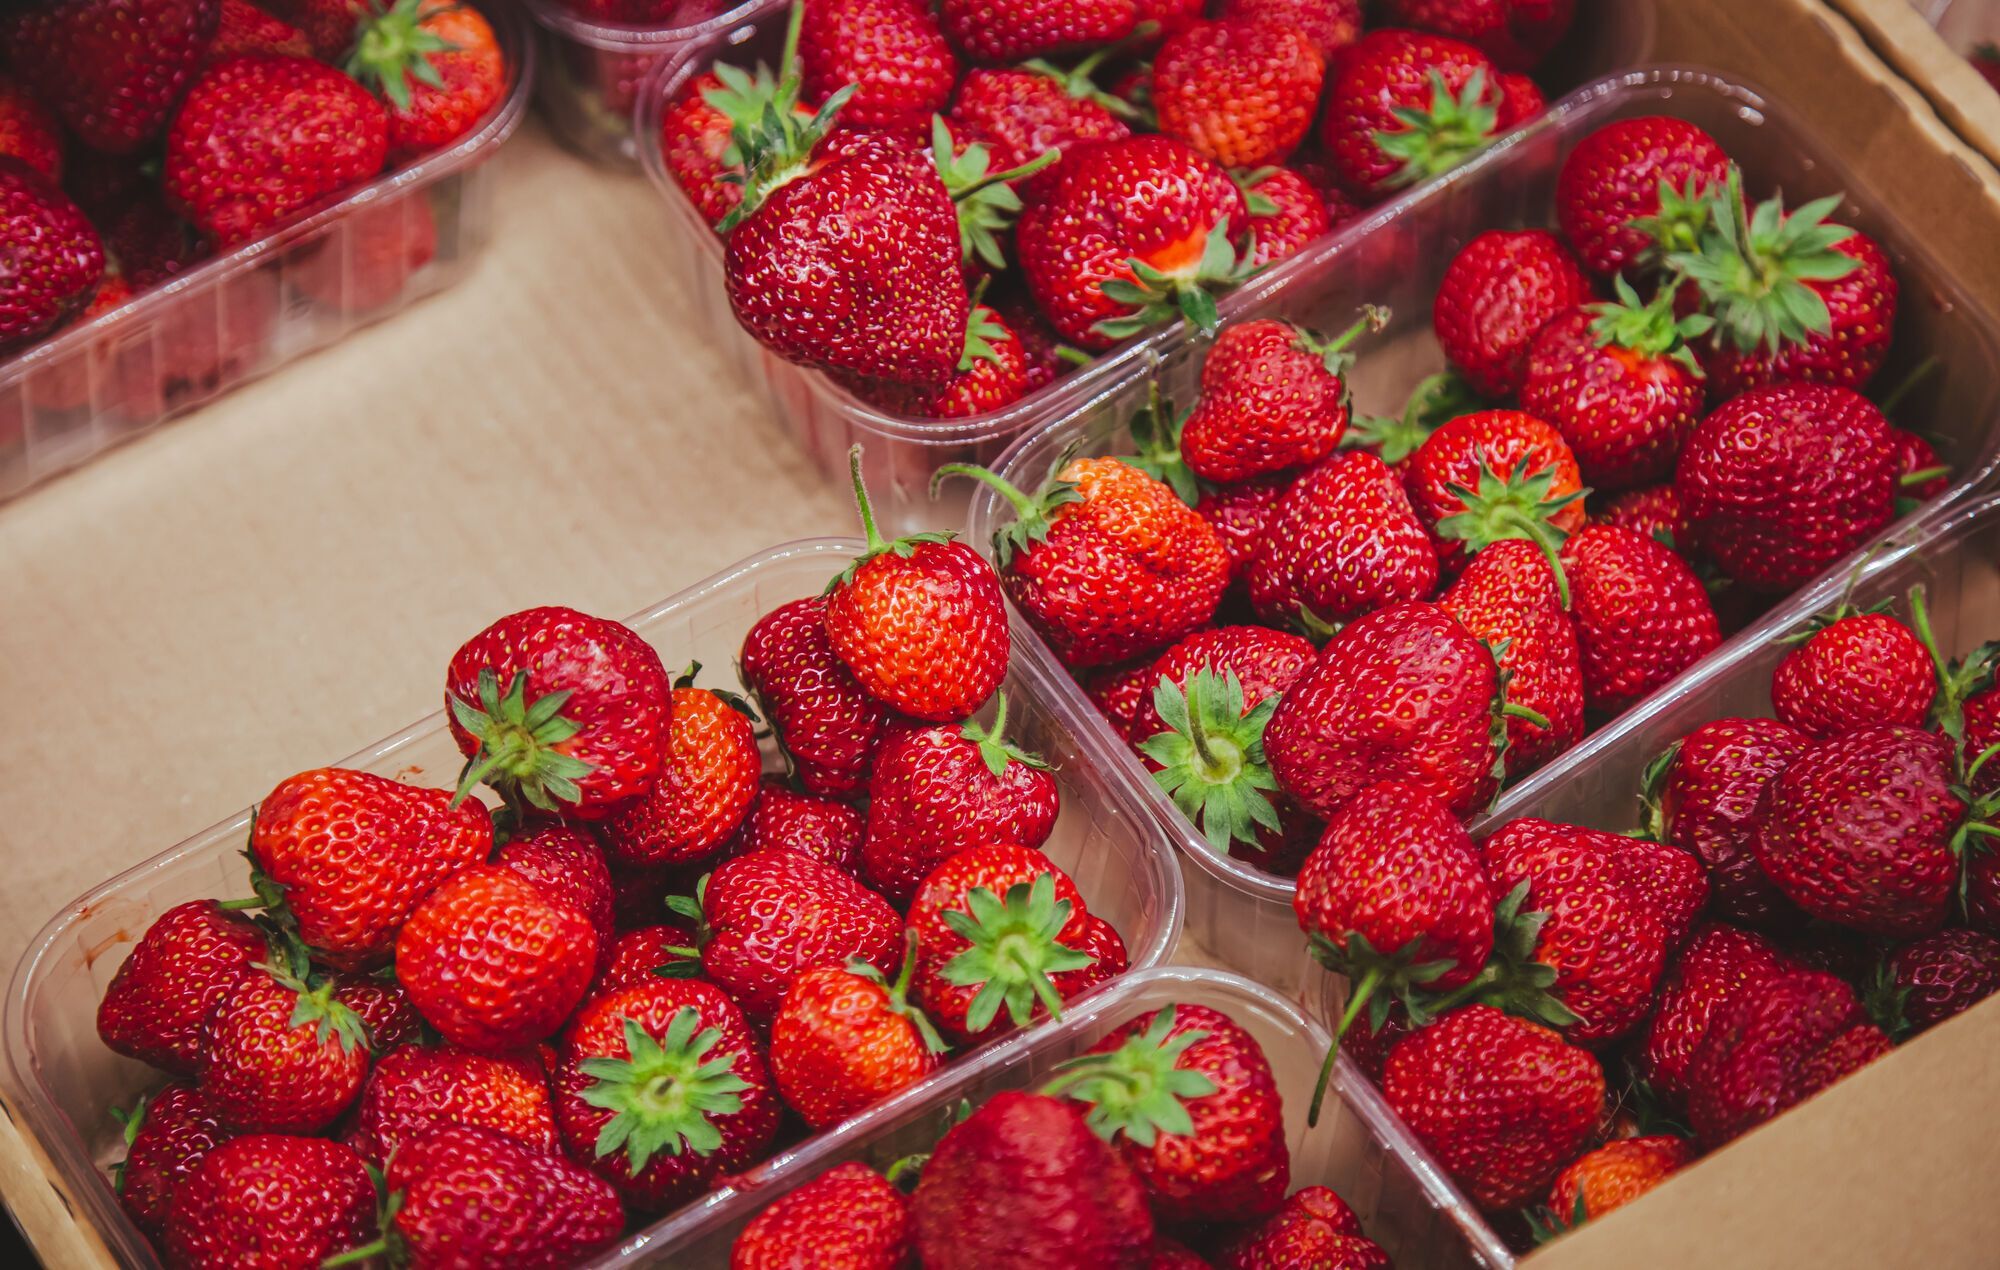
129 1124
1436 400
288 962
1014 949
1653 791
987 203
1544 1223
1033 516
902 548
390 1245
992 744
1211 757
1649 328
1139 1090
1156 434
1335 354
898 991
1885 1000
1520 504
518 752
1156 295
1511 980
1677 227
1504 710
1455 127
734 700
393 50
982 328
685 959
1080 80
1258 202
1377 980
666 1093
771 139
1958 682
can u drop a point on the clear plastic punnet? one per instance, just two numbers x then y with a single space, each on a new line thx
1964 24
367 256
64 1081
902 452
1241 915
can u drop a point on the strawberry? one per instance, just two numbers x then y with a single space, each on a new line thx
1509 598
1316 172
1019 113
848 1218
1642 616
1920 474
28 130
941 790
1273 397
494 962
1772 1046
560 710
825 721
992 375
1674 881
662 1089
187 961
268 1199
1314 1230
1521 100
1612 1176
56 259
282 1053
706 788
1010 30
1405 106
1023 1182
1620 383
1500 1102
1938 977
1854 670
1718 962
388 1019
1167 1254
781 817
695 137
1652 510
770 916
420 1088
1497 294
261 139
920 621
1241 514
1129 234
892 49
1516 34
1263 661
845 1038
345 856
1121 693
386 245
1046 357
1105 561
245 28
1287 215
1342 543
1189 1101
1240 92
1493 475
1636 185
166 1137
642 954
328 25
1405 693
1705 793
436 64
1332 25
112 69
567 866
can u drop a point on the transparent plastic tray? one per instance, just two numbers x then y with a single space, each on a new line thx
250 311
903 452
1242 915
1359 1149
64 1080
1964 24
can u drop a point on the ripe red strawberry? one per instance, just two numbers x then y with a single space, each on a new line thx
28 130
1496 296
1187 1097
1405 693
1707 793
645 953
695 138
1521 100
1332 25
847 1217
167 986
1501 1103
662 1089
1612 1176
420 1088
268 1199
1516 34
282 1054
1642 616
1609 198
560 710
388 1019
941 790
893 49
1287 215
920 621
1854 670
1652 510
1405 106
1859 830
1010 30
1243 93
386 244
770 916
1920 474
1105 561
826 722
166 1137
1240 514
1509 597
705 790
1120 693
1264 662
845 1038
56 259
1273 397
492 961
1718 962
245 28
354 853
261 139
1674 881
1129 234
992 375
329 24
436 64
1315 1228
1493 475
1018 113
1772 1046
112 69
1342 543
567 865
1340 206
822 827
1938 977
1023 1182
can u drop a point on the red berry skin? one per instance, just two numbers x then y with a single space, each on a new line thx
932 796
1781 482
1496 296
261 1073
1857 831
1301 217
1502 1103
1945 975
639 953
1331 24
417 1089
28 129
1018 114
1863 669
1911 454
703 793
823 717
848 1218
188 960
1342 543
1315 1228
567 865
268 1199
1863 310
473 1197
1243 93
925 634
1509 443
892 48
1121 693
1508 598
1613 178
839 1044
1674 881
1642 616
1013 30
1718 962
1264 661
56 259
989 384
1617 1173
1625 414
1652 510
179 1129
694 137
1521 100
1268 403
1240 514
825 828
773 915
1516 34
1712 806
112 71
245 28
1388 70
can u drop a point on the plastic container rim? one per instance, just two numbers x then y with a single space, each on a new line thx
621 37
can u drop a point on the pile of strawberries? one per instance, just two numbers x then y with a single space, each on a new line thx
1166 1136
486 1039
1279 603
1802 892
139 137
1024 218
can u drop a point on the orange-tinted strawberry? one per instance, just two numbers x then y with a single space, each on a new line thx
566 864
282 1054
1516 34
166 1136
112 70
28 130
847 1217
436 64
1332 25
1287 215
1509 598
1496 296
419 1088
493 961
561 710
1642 616
1315 1228
705 791
845 1038
56 259
1010 30
662 1089
1938 977
1652 510
346 856
1273 397
1343 542
695 137
1493 475
825 828
270 1199
1718 961
1613 1176
1405 106
1613 179
893 49
167 986
1707 792
1854 670
1240 92
1018 113
826 722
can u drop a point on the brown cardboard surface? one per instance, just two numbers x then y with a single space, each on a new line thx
1961 96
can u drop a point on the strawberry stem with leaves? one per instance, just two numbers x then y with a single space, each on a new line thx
664 1093
1013 950
1518 505
992 744
877 544
1139 1090
1211 757
1031 515
518 742
1434 141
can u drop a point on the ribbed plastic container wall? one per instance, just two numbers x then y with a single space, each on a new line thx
903 452
64 1079
370 255
1242 915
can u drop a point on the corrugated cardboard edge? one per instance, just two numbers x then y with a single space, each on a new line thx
38 1203
1959 94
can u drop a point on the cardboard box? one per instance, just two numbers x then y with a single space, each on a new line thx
1933 59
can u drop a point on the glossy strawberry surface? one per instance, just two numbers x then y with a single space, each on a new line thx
419 1088
933 794
56 259
1290 214
824 719
471 1196
823 827
1343 542
893 49
567 865
1617 1173
1712 806
703 793
1243 93
177 1128
260 1071
772 915
1516 34
1718 962
1624 413
269 1199
1268 402
1941 976
1315 1228
1510 445
1642 616
1508 598
1613 177
163 992
1010 30
842 1042
1240 514
1861 669
1017 114
848 1218
114 70
924 633
1386 71
1861 308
